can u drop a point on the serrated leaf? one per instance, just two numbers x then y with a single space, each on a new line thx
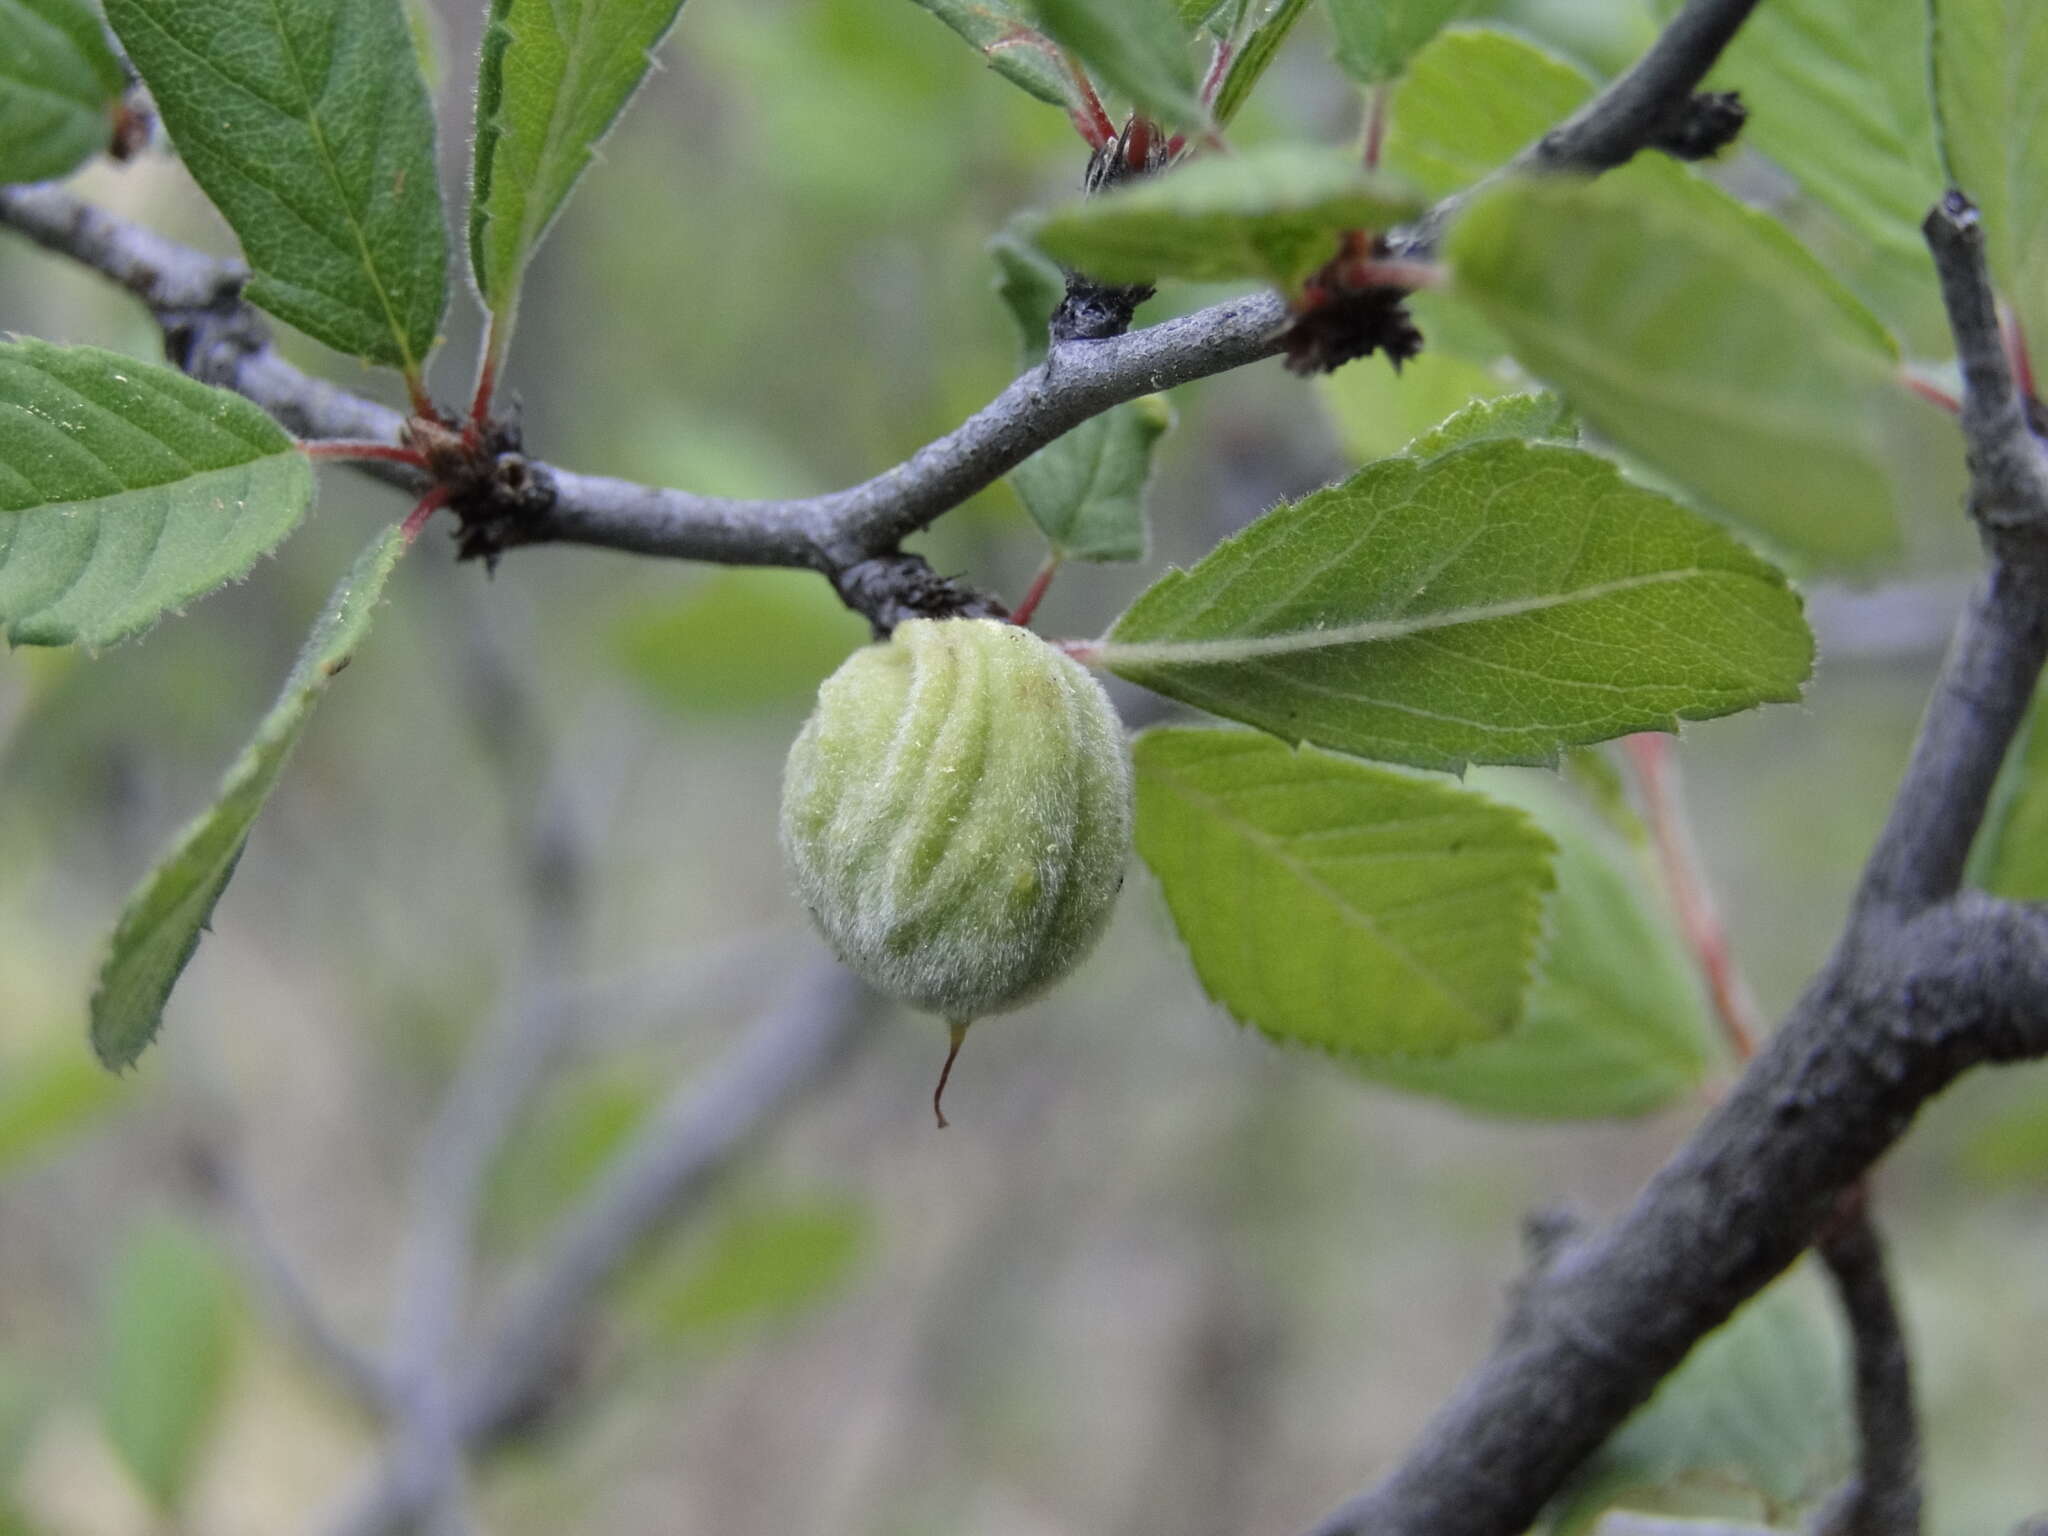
128 489
1254 54
738 642
46 1098
1470 102
555 76
307 123
764 1263
1759 1405
1496 604
2010 855
1014 47
1273 214
58 82
1991 89
1537 417
1698 335
160 927
1086 490
1837 95
1330 903
1137 47
1616 1022
1030 285
167 1343
1375 38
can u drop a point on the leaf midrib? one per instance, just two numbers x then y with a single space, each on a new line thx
334 179
1118 655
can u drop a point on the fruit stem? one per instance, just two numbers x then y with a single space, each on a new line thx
959 1028
1039 583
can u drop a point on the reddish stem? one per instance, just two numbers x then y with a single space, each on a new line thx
2016 349
1091 118
1657 782
335 448
952 1055
1391 272
480 406
422 402
1375 126
428 505
1219 67
1933 394
1036 591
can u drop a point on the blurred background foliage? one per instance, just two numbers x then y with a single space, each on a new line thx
1160 1278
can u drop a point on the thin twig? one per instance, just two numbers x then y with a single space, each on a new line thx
304 1317
1989 676
666 1170
1926 982
1678 855
217 338
1627 117
670 1166
1883 1497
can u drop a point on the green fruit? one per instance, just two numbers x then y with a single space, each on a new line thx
957 812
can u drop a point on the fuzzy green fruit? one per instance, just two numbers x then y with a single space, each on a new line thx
957 812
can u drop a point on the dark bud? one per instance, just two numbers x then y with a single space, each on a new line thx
1093 311
1705 124
133 125
1343 314
889 589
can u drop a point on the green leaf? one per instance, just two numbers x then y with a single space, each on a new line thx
1376 37
160 927
1700 336
128 489
1837 95
1377 412
1496 604
1137 47
581 1123
1030 286
1254 54
1616 1024
1273 214
1760 1404
1537 417
738 642
764 1264
1334 904
555 76
1086 490
58 84
2010 856
167 1343
429 42
1217 16
1013 46
1471 101
1991 89
47 1097
306 122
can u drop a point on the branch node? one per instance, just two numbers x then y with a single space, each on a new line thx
889 588
1704 124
